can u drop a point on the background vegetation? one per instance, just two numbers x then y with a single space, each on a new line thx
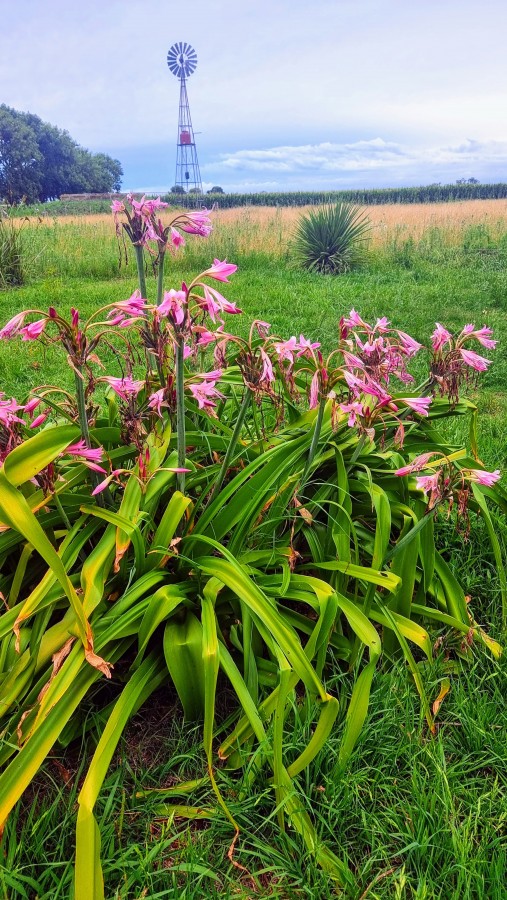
433 193
417 817
39 161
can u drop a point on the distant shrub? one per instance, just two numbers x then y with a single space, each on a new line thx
216 189
330 240
177 189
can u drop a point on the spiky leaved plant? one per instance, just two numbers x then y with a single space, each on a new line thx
11 261
331 240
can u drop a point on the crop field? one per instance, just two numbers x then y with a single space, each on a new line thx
418 817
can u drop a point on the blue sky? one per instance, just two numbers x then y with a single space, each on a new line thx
287 94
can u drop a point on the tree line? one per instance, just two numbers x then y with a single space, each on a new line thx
39 162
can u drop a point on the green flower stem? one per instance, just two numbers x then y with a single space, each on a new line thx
180 414
58 504
160 277
233 442
140 270
315 442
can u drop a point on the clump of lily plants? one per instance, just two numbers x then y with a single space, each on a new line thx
225 508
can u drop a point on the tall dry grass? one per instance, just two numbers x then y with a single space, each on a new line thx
86 246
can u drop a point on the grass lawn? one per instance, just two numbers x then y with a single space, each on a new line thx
415 816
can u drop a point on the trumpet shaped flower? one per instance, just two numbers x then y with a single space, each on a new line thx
124 387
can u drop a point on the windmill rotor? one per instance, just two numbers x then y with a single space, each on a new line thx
182 59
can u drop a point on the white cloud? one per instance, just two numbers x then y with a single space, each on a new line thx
315 162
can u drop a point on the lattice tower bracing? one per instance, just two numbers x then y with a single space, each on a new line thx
188 175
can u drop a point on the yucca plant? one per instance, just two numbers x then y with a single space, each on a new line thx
11 251
254 521
331 240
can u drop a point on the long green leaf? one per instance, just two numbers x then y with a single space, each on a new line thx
88 874
33 455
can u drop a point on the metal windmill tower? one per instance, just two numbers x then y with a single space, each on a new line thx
182 60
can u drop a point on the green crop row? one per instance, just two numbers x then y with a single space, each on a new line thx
432 193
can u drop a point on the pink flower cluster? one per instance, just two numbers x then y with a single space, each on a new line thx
444 478
141 222
452 362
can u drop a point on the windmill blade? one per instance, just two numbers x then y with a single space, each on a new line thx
182 59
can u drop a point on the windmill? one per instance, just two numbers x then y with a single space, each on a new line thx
182 61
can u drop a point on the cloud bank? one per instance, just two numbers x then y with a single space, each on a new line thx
362 163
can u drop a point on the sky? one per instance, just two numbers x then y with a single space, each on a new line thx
287 95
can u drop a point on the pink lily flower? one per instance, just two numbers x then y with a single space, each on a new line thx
371 387
314 391
416 465
409 345
267 373
213 376
440 337
381 325
286 349
8 410
80 449
428 483
107 481
205 394
117 207
262 327
157 401
124 387
13 326
486 478
354 409
214 302
220 271
32 331
352 361
479 363
177 239
205 337
305 346
418 404
173 306
32 405
134 306
354 320
197 223
151 206
483 335
40 419
91 456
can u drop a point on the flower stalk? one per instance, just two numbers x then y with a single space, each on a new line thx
247 396
180 412
315 441
138 250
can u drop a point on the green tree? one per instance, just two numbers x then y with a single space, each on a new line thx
39 161
20 158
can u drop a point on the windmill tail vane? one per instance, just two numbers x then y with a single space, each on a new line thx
182 62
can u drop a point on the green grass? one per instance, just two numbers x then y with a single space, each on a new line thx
416 817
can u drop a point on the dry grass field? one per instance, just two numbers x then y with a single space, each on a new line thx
268 229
